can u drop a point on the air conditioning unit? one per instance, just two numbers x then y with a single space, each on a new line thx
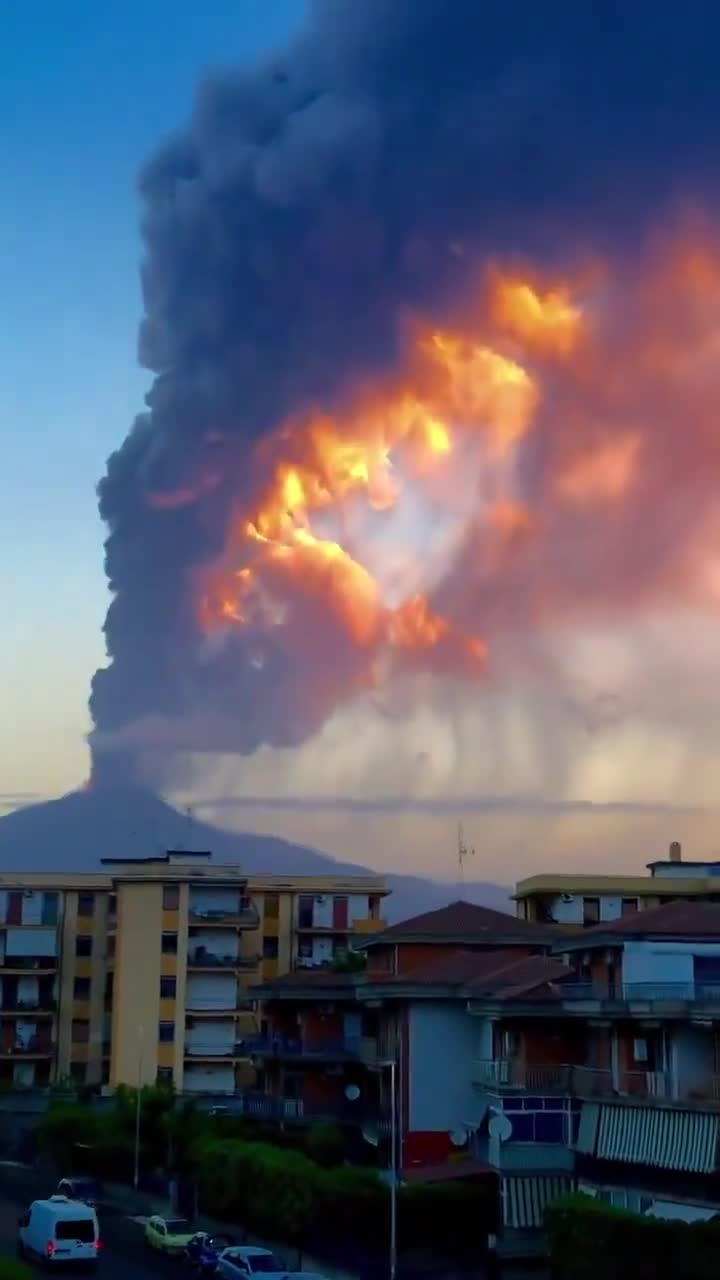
566 897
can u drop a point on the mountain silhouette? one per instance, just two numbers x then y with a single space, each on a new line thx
76 831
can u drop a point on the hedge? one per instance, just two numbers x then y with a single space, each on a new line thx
588 1239
11 1269
286 1196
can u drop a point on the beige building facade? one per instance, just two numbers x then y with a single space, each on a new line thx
145 971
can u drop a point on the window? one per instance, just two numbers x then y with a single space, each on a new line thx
591 911
169 944
171 897
111 946
272 906
168 988
83 944
641 1051
78 1071
270 948
81 989
82 1229
86 904
166 1032
80 1031
112 904
164 1075
629 906
306 903
109 984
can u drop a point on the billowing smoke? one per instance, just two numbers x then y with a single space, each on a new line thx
434 321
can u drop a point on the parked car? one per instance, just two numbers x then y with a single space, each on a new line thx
241 1261
59 1230
204 1250
168 1235
87 1190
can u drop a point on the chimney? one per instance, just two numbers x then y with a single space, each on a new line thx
676 851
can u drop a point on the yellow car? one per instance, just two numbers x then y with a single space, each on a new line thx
168 1235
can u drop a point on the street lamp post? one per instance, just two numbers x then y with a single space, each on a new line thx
138 1110
394 1169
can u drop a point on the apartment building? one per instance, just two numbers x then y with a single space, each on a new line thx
582 901
593 1061
327 1041
146 970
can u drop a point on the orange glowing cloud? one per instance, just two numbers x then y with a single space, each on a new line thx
523 467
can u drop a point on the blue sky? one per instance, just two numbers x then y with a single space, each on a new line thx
86 91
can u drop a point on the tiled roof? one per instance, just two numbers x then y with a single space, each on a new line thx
681 919
461 920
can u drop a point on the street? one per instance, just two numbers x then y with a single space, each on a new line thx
124 1253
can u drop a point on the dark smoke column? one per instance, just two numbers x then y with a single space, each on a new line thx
310 200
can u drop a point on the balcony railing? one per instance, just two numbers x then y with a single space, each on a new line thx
199 958
640 992
41 1004
297 1047
210 1049
510 1074
28 962
296 1111
231 1003
244 915
34 1046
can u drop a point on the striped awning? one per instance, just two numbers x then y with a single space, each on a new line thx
669 1139
525 1199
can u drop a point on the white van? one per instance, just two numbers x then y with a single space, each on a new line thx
59 1230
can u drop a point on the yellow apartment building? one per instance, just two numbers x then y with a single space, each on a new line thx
144 971
580 901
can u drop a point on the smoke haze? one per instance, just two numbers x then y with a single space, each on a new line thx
432 304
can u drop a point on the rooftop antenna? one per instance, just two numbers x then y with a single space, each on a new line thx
463 852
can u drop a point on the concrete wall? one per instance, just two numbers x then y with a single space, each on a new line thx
136 1001
662 963
692 1060
443 1040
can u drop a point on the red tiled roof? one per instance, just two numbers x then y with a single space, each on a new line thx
496 974
681 919
461 920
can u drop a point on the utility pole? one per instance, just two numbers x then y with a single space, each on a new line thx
462 853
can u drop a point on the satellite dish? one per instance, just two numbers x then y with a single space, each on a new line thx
371 1135
352 1093
500 1127
458 1137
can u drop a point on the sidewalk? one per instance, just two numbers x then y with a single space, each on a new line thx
139 1205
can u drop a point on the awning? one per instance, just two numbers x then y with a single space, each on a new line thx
525 1199
683 1140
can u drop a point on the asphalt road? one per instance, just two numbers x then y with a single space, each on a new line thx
124 1256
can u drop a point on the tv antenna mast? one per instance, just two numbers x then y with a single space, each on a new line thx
463 853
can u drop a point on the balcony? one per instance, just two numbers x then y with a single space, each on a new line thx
42 1004
263 1106
244 916
232 1003
28 964
210 1049
296 1047
509 1075
200 958
33 1047
643 993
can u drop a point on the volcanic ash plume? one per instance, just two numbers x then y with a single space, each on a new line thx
436 365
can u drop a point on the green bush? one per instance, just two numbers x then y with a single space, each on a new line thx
11 1269
325 1145
588 1239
